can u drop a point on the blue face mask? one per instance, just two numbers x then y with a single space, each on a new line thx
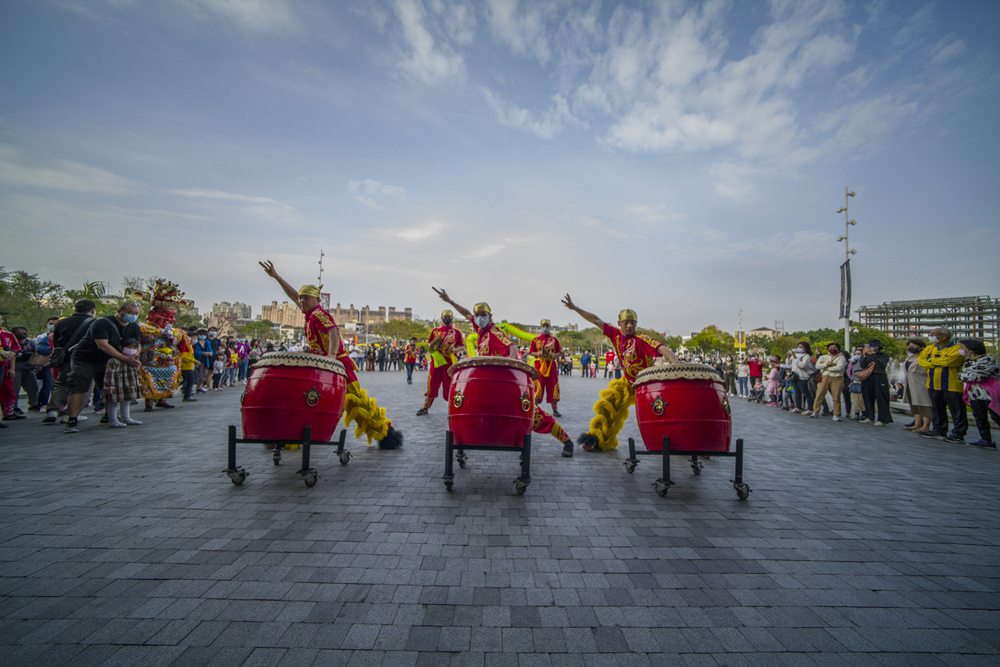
129 318
482 321
202 337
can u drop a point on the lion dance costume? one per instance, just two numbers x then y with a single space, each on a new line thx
160 346
359 408
636 353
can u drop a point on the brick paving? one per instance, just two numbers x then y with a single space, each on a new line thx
858 545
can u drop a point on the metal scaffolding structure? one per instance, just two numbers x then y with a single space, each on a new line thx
966 316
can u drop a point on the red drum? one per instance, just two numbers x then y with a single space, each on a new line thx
492 401
288 391
685 402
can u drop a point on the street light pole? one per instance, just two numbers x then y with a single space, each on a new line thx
848 251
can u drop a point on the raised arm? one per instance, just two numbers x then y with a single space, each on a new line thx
269 269
447 299
590 317
667 353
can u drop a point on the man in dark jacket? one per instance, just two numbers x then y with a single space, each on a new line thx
67 333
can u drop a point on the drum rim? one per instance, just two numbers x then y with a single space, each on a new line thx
504 362
680 371
300 360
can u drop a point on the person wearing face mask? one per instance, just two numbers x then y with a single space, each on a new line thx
122 386
546 350
942 359
875 384
24 372
981 376
831 367
102 342
802 365
443 344
636 352
729 375
855 400
915 388
323 338
494 342
203 358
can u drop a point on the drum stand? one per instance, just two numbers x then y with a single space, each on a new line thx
308 475
450 455
663 484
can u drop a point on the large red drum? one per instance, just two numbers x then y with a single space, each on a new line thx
492 401
685 402
288 391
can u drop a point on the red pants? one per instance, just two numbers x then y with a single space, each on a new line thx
544 423
547 386
6 389
437 378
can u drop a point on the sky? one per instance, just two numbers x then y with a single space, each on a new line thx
684 159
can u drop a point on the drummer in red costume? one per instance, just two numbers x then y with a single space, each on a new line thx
495 343
442 344
323 338
635 352
546 350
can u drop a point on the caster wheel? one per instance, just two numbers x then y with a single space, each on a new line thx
277 457
345 458
742 490
661 489
630 466
696 468
461 460
238 477
310 479
520 486
448 485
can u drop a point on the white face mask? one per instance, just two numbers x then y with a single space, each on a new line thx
482 321
130 351
545 331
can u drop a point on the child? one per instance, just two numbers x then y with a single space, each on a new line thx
218 369
121 387
773 386
981 376
757 393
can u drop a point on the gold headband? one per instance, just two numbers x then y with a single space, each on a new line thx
546 323
447 313
309 290
482 305
628 314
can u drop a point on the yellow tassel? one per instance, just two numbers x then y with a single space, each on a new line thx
370 418
516 332
611 411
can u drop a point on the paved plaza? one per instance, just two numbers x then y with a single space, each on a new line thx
858 545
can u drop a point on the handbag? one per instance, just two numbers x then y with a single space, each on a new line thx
37 359
58 356
855 388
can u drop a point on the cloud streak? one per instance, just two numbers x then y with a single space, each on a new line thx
16 168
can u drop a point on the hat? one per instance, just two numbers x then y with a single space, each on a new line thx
546 323
482 305
628 314
875 342
974 345
309 290
447 313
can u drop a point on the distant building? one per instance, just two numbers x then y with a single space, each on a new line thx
966 316
289 315
764 331
239 311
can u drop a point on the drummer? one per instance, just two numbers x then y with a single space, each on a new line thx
324 339
636 352
444 341
495 343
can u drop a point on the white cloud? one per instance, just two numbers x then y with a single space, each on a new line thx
218 194
485 251
370 192
416 233
523 31
427 61
252 15
16 168
545 125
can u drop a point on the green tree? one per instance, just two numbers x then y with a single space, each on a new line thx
758 343
782 344
861 335
402 330
28 300
188 318
262 330
93 291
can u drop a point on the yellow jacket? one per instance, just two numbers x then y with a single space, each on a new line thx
942 366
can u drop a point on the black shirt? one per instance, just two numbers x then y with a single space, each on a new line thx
107 328
64 335
880 359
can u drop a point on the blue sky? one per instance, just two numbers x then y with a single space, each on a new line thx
683 159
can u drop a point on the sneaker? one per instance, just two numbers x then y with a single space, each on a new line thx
131 422
71 426
202 390
809 413
51 417
955 439
931 435
814 416
983 444
865 421
421 412
879 424
568 449
836 418
795 411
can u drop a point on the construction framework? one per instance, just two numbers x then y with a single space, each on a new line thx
966 316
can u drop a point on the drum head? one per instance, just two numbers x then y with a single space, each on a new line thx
502 362
682 371
301 359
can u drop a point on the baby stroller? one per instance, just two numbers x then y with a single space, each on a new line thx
756 393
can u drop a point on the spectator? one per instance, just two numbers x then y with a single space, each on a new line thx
218 370
854 386
729 375
743 383
121 387
756 369
774 382
43 347
915 387
9 353
187 364
609 358
981 376
585 363
875 384
203 357
90 356
243 364
942 359
66 333
801 363
24 372
831 379
410 359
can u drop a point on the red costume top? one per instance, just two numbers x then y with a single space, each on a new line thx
545 343
410 354
451 341
492 341
609 358
634 352
318 324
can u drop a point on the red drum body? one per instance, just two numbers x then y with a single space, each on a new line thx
288 391
492 401
685 402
